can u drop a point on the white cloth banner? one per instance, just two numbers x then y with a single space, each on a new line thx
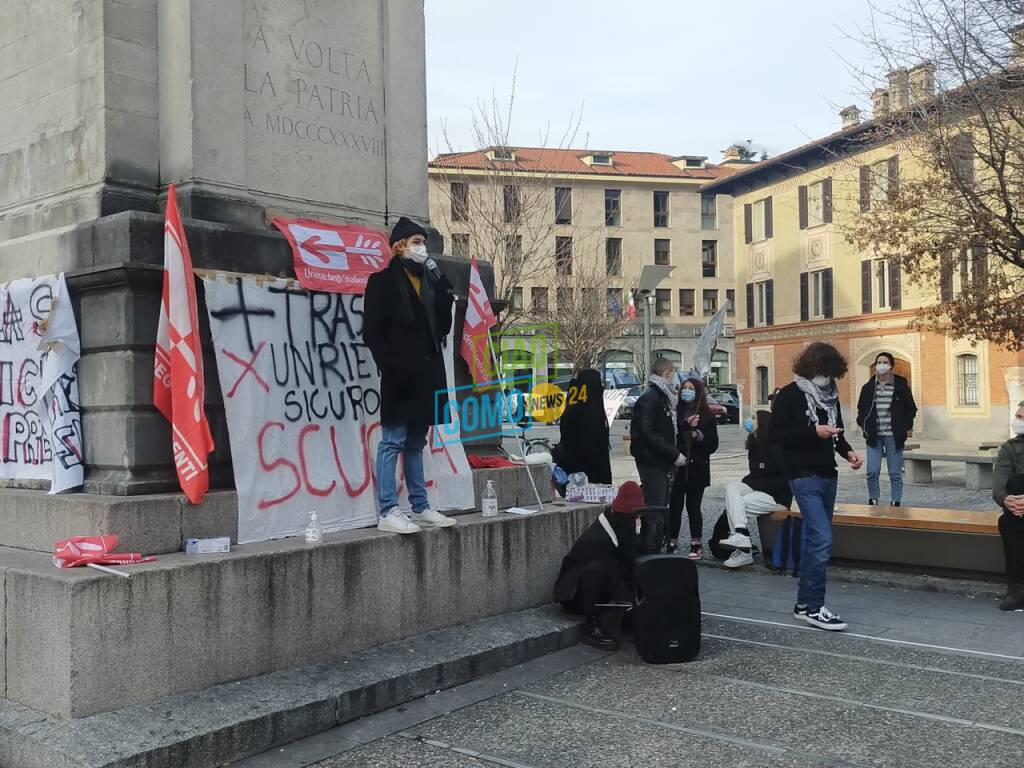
39 405
302 398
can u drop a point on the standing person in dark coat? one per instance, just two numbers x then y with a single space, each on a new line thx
886 411
407 313
807 428
599 567
583 429
697 439
652 434
1008 493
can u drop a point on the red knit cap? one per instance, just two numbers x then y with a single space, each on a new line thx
628 498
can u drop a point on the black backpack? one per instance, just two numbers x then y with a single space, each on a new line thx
720 532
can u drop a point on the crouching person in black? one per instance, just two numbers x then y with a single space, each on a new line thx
598 569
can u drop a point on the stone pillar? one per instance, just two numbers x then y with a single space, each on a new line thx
1013 377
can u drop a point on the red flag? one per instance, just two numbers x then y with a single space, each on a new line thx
479 321
82 550
178 373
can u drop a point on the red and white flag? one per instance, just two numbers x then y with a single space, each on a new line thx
631 309
178 373
479 321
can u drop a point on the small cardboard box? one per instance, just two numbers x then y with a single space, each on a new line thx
207 546
591 493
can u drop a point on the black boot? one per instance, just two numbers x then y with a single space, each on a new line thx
597 637
1014 599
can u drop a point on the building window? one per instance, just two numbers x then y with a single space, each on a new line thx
815 204
881 267
663 302
539 300
818 294
563 255
513 204
661 209
613 256
967 380
686 302
760 219
662 252
613 207
563 205
961 156
708 212
601 159
564 296
880 182
460 201
460 246
761 377
517 299
730 302
615 301
709 258
761 303
513 254
710 302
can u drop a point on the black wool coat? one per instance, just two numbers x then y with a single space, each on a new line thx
697 472
406 336
652 438
901 413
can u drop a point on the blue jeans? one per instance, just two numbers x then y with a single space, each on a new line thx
408 440
894 462
816 497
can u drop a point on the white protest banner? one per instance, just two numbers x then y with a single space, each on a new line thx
41 437
302 399
612 402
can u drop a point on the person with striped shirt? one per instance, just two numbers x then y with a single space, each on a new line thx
886 411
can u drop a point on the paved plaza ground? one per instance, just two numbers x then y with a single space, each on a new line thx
921 678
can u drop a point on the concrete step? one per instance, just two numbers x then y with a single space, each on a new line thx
231 721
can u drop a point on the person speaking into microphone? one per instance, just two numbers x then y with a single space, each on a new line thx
407 314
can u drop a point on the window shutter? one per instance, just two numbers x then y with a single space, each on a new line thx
826 199
894 177
769 301
748 223
865 287
805 312
895 287
768 228
826 285
750 305
802 197
946 281
979 264
865 188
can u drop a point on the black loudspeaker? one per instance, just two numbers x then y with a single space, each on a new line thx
666 620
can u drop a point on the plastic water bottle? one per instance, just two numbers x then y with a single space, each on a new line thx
314 531
578 478
489 503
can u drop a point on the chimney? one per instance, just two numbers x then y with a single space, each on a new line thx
851 116
880 102
899 90
922 82
1017 41
732 155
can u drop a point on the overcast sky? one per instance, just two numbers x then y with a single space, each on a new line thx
672 76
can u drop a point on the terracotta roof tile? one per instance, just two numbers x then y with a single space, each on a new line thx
570 161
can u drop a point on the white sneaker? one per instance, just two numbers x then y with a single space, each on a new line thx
397 522
736 541
738 559
433 519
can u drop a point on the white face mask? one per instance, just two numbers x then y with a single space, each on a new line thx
417 253
821 381
1017 426
883 368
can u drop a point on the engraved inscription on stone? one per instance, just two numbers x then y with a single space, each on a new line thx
314 99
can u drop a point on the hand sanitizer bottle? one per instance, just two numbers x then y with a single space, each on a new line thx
489 503
314 531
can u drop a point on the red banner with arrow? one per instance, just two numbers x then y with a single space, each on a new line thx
336 258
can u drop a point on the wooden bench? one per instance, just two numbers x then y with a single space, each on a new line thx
936 541
979 467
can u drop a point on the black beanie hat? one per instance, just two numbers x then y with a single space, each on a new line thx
405 228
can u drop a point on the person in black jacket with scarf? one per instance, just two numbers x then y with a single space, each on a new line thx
583 429
807 429
886 411
407 313
599 567
696 439
652 433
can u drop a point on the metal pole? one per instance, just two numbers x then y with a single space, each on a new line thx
648 362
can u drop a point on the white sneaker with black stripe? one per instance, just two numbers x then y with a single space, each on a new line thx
823 618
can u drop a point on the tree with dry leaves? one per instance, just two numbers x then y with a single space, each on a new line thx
954 222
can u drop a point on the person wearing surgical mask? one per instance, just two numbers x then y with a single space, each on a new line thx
407 315
886 411
1008 493
807 433
696 439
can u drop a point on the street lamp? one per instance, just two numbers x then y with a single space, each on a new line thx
650 277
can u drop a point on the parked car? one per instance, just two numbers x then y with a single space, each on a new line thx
725 409
626 409
620 379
